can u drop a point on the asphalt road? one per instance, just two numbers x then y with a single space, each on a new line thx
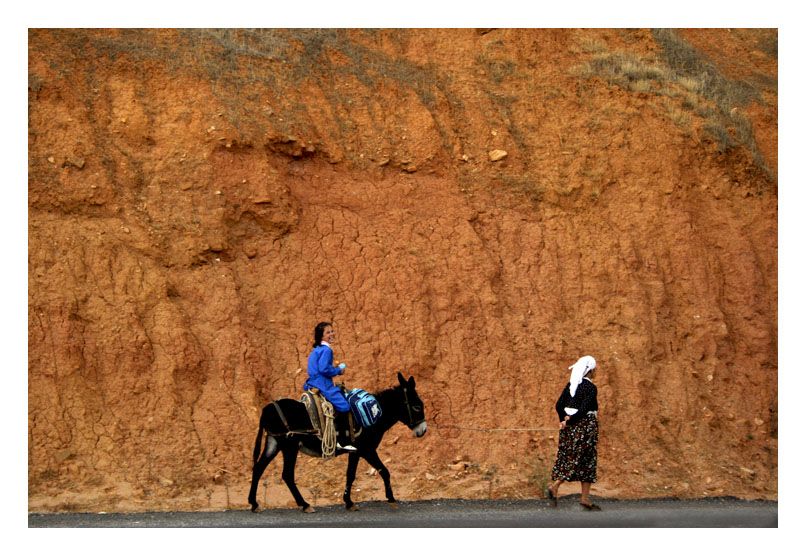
452 513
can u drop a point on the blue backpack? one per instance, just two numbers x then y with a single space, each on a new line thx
365 407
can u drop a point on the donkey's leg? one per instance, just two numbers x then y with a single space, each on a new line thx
374 461
289 461
352 464
258 469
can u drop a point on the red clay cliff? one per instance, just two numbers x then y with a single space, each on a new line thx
476 208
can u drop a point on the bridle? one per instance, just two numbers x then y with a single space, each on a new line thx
411 423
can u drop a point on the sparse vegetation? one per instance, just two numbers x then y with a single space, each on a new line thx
690 82
592 45
681 117
539 477
259 64
769 45
498 70
525 185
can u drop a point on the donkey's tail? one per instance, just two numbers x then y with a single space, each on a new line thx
257 450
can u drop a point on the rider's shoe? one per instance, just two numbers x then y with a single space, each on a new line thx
348 448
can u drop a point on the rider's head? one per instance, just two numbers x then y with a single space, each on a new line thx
319 330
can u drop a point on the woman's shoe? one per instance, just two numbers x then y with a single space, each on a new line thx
553 500
591 506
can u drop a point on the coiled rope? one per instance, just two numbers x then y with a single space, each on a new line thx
328 430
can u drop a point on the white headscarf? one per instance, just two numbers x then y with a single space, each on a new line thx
579 370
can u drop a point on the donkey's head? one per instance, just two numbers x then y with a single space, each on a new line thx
413 414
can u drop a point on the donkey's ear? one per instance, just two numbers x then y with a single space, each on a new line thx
411 382
401 379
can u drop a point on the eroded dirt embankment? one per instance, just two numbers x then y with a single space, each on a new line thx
199 200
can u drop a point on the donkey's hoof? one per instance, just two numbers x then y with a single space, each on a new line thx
309 509
353 508
392 504
255 508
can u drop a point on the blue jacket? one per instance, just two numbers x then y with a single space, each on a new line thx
320 372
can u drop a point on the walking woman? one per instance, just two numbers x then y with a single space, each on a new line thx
577 441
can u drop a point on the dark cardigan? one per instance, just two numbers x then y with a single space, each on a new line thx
585 400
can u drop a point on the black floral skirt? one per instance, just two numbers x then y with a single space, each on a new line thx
577 452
